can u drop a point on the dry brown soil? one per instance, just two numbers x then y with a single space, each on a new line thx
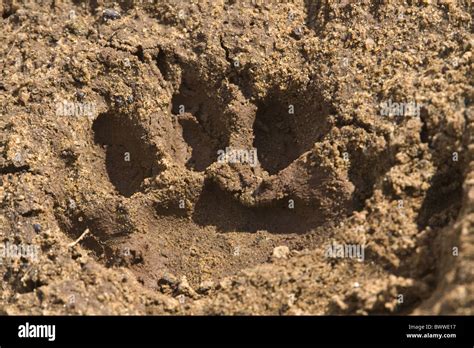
170 229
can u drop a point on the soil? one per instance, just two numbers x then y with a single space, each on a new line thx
131 210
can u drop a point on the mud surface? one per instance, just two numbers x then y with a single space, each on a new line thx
115 117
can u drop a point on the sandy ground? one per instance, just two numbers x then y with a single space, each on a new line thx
348 185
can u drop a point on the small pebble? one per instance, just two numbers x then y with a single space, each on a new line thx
205 287
369 43
110 14
37 228
80 95
169 280
18 158
281 252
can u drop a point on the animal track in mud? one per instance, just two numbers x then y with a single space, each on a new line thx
285 197
199 123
